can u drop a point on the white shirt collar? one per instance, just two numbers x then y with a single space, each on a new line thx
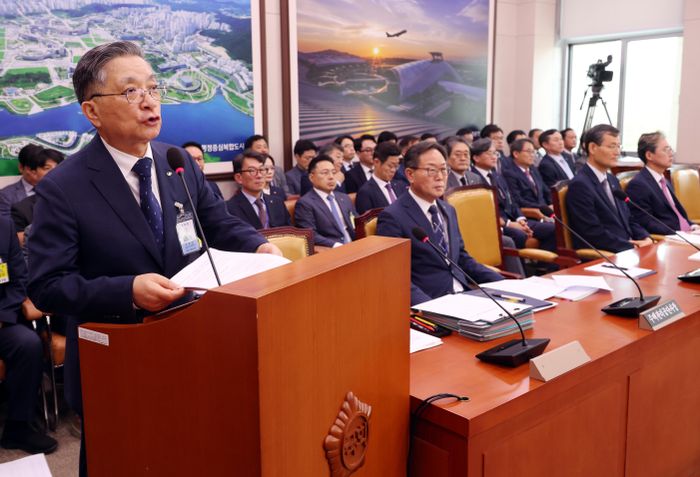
484 172
422 203
382 184
28 188
125 161
601 176
657 177
324 195
250 198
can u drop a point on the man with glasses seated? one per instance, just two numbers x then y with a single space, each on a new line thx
653 192
114 222
361 172
197 152
260 210
328 212
381 189
594 211
421 206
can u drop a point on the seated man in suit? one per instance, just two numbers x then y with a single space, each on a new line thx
515 224
652 192
33 164
113 222
21 350
258 143
497 137
594 211
362 171
335 152
327 212
381 189
557 165
347 144
459 163
526 185
534 136
249 203
304 151
421 206
197 152
570 139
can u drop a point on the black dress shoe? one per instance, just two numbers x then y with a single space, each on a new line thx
20 435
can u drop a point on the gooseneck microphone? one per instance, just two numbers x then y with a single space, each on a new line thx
627 306
623 196
511 353
693 276
177 163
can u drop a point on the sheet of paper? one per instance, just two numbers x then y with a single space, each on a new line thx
693 238
231 266
470 308
421 341
31 466
695 257
576 293
535 287
587 281
634 272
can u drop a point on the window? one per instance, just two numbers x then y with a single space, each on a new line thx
643 94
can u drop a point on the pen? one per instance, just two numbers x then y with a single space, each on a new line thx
421 327
515 299
423 321
607 265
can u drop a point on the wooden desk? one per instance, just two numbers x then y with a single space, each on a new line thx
634 410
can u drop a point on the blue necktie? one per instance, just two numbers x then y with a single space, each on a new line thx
149 205
338 218
437 228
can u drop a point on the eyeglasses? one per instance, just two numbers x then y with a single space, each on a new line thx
668 150
431 171
527 151
259 171
367 149
136 95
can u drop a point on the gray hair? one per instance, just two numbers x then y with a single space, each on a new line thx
90 69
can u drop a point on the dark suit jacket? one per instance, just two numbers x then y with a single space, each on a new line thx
278 192
431 277
646 193
471 177
524 193
370 196
13 293
552 172
9 195
90 239
354 178
311 212
277 212
215 189
294 180
591 214
22 212
508 208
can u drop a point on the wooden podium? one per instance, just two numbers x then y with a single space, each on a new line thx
250 379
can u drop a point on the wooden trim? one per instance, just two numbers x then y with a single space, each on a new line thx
286 87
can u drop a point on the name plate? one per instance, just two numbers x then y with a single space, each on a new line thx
558 361
93 336
660 316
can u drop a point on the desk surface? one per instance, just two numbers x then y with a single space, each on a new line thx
452 367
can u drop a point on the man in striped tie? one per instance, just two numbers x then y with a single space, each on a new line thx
421 207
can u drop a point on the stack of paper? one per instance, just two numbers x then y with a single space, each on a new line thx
567 287
476 317
578 287
691 237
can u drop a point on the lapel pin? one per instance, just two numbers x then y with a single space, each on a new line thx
169 173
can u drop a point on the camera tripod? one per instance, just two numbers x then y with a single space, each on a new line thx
595 96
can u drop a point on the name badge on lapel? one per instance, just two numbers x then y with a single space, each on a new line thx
186 232
4 273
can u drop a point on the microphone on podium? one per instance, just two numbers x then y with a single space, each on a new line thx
693 276
177 163
511 353
631 307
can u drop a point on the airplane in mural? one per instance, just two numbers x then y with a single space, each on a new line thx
395 35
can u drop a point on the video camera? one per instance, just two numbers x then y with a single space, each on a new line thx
598 74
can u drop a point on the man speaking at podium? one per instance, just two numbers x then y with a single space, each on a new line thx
108 225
